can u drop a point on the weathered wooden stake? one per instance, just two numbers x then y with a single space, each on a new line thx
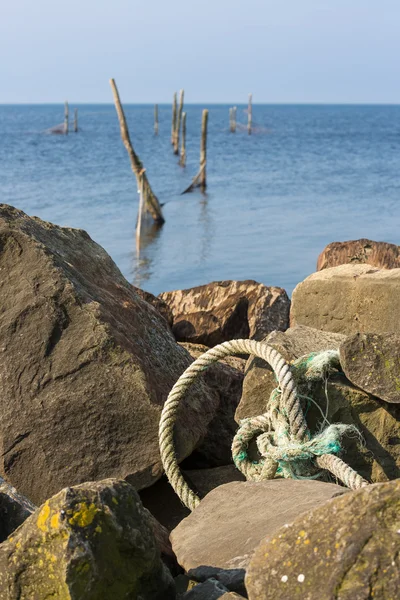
140 212
173 120
249 114
178 122
182 160
150 199
75 120
156 119
231 120
66 118
201 178
234 109
203 151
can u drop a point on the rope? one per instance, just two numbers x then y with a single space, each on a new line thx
284 440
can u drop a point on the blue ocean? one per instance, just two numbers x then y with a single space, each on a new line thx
307 176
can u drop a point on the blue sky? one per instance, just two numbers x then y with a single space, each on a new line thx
218 50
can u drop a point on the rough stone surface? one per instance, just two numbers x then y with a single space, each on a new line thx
347 549
378 459
165 505
89 542
349 299
233 579
226 381
372 362
230 521
223 310
14 509
157 303
376 254
209 590
86 365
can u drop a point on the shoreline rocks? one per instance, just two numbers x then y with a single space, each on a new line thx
376 254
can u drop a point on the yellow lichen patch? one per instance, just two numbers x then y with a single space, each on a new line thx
302 533
114 500
98 529
306 541
55 521
43 516
84 515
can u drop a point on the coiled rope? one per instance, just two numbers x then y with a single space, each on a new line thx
284 440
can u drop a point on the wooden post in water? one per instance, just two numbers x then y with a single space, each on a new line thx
231 120
156 119
203 151
150 199
178 122
66 118
182 160
249 114
234 109
75 120
173 120
201 177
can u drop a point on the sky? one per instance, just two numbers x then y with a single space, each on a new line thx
289 51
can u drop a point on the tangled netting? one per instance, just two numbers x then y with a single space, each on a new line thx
283 438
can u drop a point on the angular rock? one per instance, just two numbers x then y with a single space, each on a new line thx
376 254
89 542
209 590
223 310
86 365
226 381
14 509
233 579
379 423
346 549
164 504
230 521
292 344
157 303
232 596
372 362
349 299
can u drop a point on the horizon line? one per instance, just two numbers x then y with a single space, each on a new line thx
358 103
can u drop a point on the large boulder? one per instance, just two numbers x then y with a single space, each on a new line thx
14 509
86 365
346 549
349 299
89 542
223 310
372 362
230 521
378 459
376 254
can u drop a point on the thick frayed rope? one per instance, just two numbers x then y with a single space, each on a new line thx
283 438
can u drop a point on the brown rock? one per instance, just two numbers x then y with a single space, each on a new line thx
223 310
86 365
14 509
346 549
376 254
89 542
157 303
226 381
349 299
372 362
230 521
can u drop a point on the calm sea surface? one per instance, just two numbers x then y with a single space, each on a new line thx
309 175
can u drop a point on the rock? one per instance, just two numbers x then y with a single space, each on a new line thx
372 362
157 303
379 423
89 542
226 381
209 590
376 254
14 509
232 596
196 350
349 299
346 549
230 521
164 504
233 579
292 344
223 310
86 365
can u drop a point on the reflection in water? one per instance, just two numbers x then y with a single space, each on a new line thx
144 257
207 226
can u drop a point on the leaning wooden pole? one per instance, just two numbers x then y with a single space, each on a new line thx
173 127
201 178
150 199
182 160
203 151
76 120
249 114
234 110
231 120
178 122
66 118
156 119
